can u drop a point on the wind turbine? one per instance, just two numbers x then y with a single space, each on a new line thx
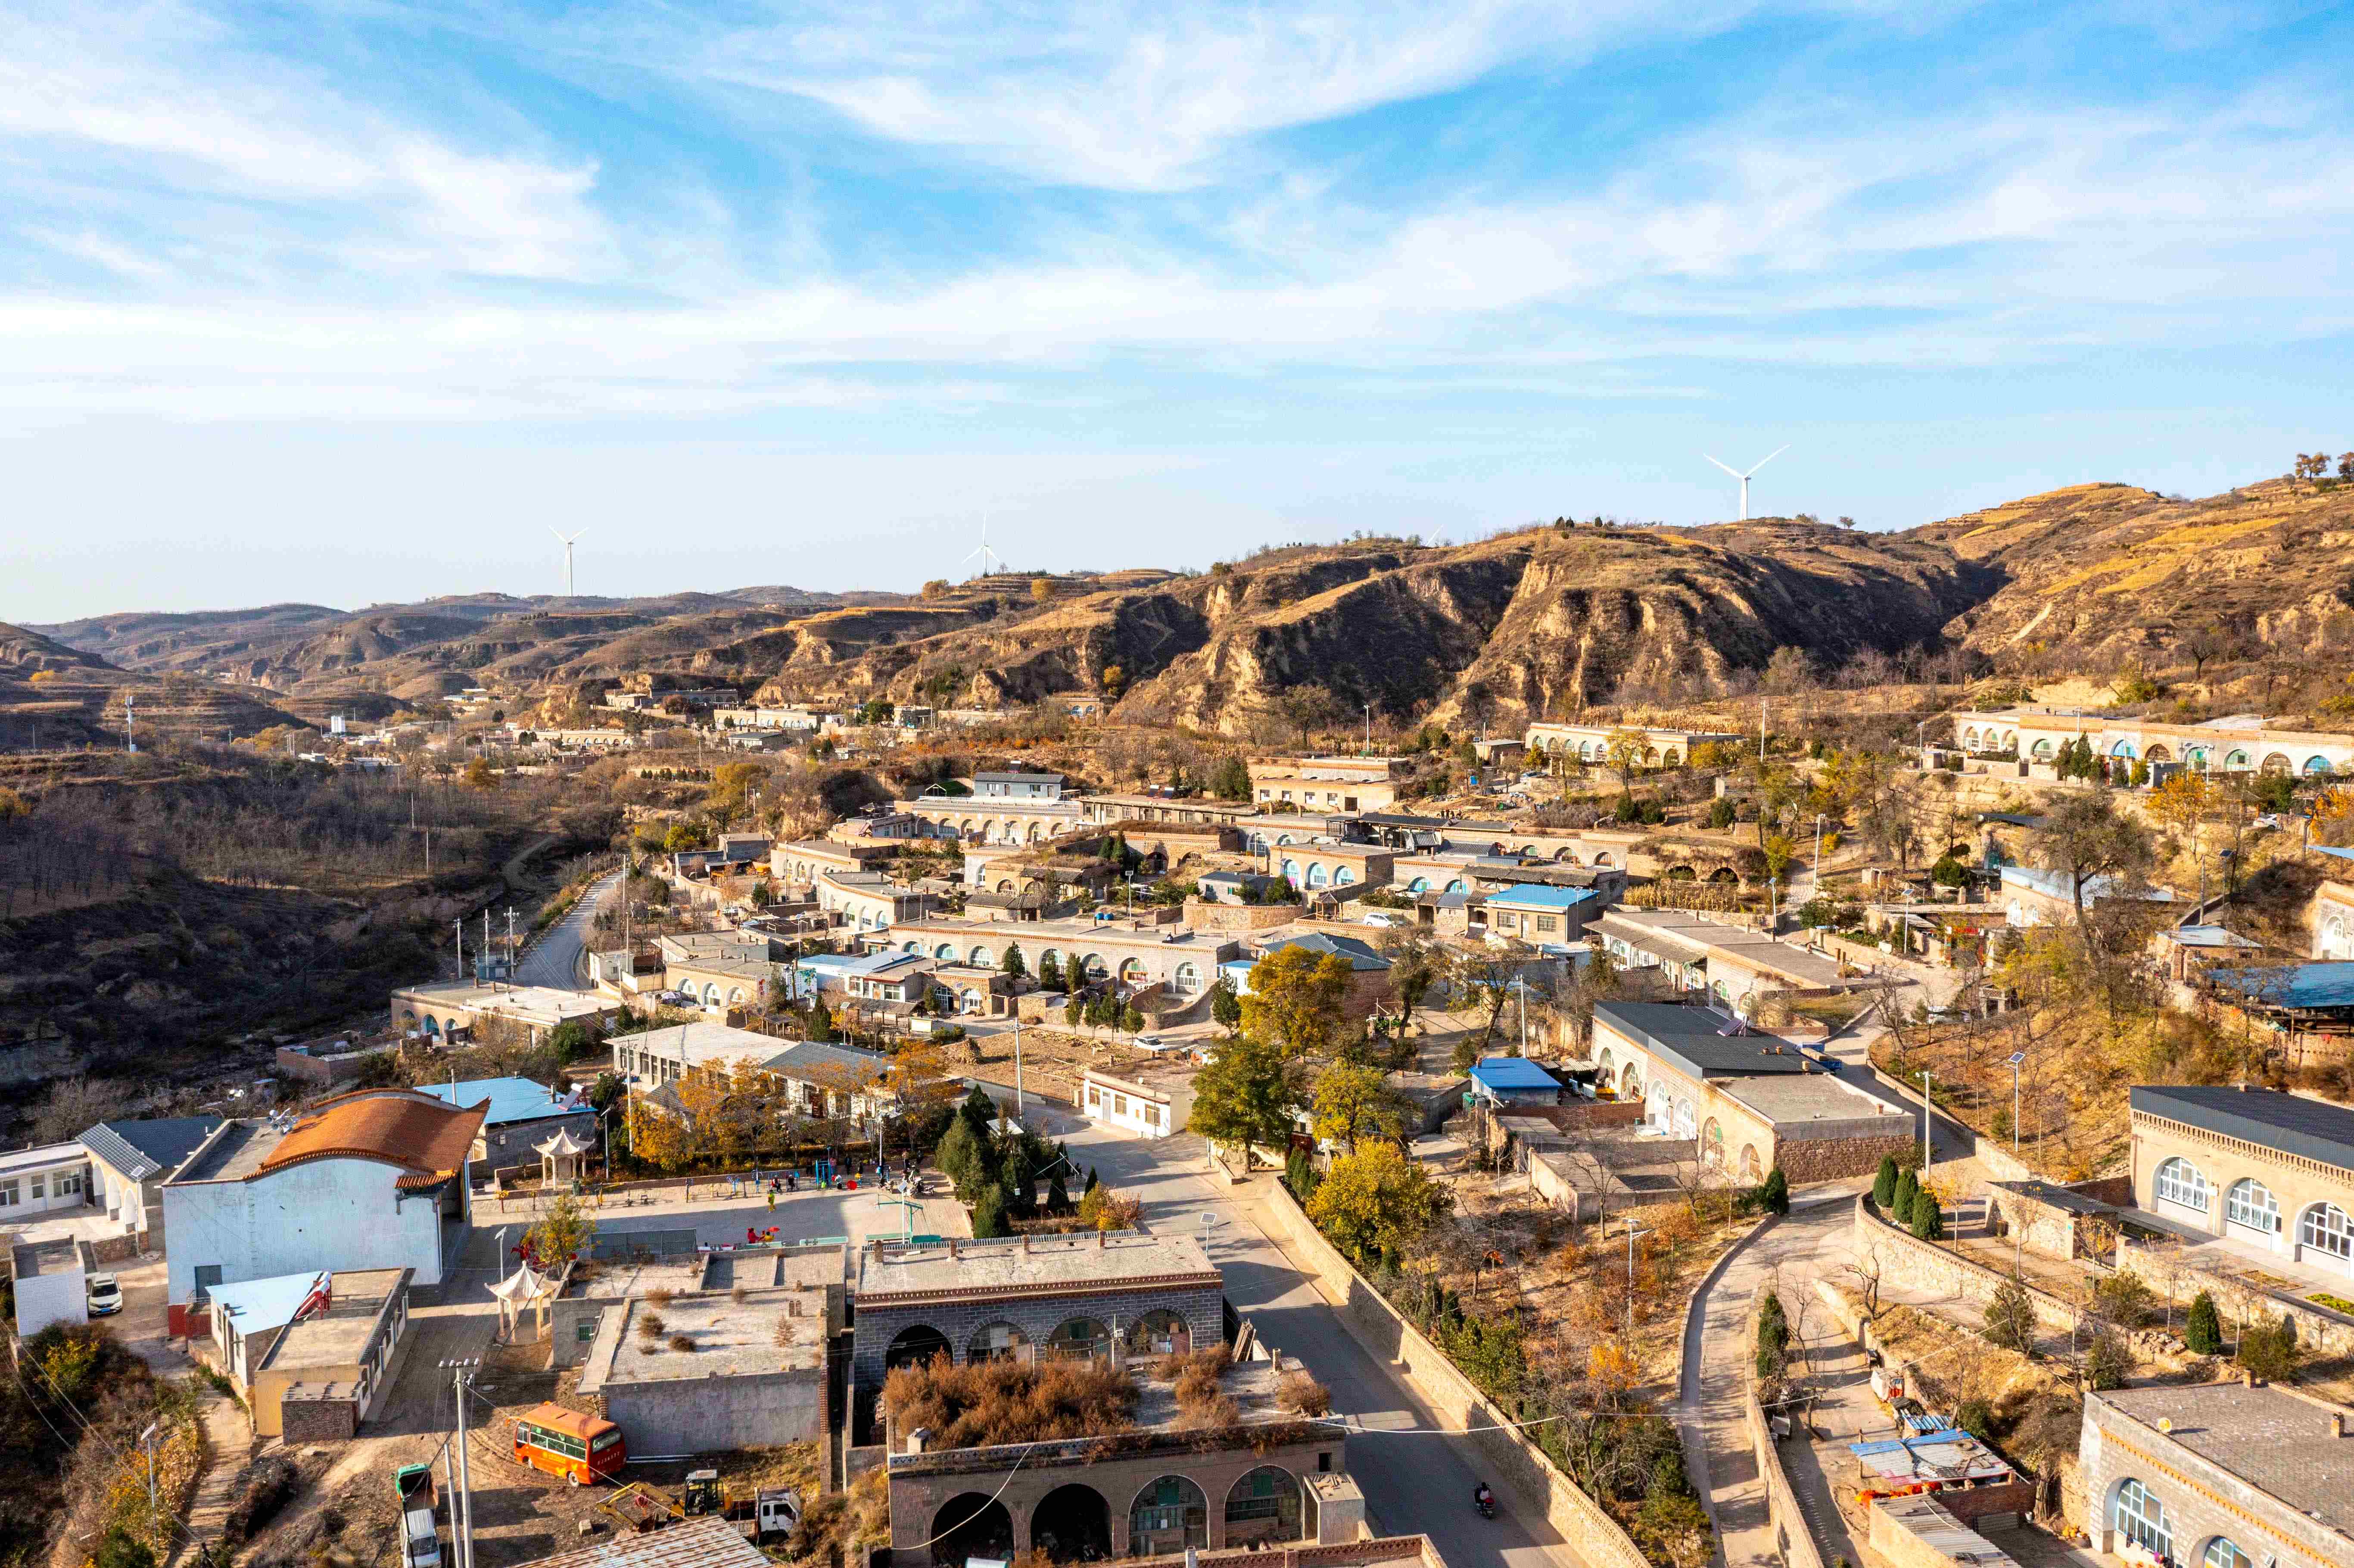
986 555
568 557
1743 478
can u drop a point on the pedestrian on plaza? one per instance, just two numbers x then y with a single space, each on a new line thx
773 1203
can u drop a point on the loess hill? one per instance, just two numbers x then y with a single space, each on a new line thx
1535 623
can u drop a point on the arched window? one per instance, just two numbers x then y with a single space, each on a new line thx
2122 749
710 993
2141 1518
1161 1332
1079 1339
1602 860
1671 757
1711 1144
2196 757
916 947
1682 1125
2235 759
1630 1084
2275 762
2250 1204
1265 1504
971 1001
1419 884
1050 956
1970 738
2181 1183
1291 872
995 1343
2326 1229
1094 968
2041 751
1316 874
2315 766
914 1346
2011 741
2337 939
1342 877
1456 887
735 995
1751 1170
1168 1516
2224 1553
1189 979
944 952
1132 971
1282 839
980 955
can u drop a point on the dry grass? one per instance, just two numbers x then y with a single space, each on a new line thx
651 1325
1303 1393
682 1342
981 1403
661 1297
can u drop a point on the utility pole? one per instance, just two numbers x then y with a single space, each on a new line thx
2016 1058
511 945
130 714
154 1504
461 1512
461 926
1017 1060
1633 1231
1928 1152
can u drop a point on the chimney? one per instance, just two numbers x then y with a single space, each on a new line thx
916 1439
1099 1241
952 1246
2338 1423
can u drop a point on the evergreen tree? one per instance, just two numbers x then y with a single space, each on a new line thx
1094 1181
1908 1186
1884 1186
821 1023
989 1214
1050 972
1011 963
1775 1194
2203 1332
1058 1198
2010 1318
1928 1215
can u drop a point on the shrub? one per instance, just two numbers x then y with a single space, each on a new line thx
1928 1215
1775 1194
267 1491
682 1342
662 1296
651 1325
121 1550
1884 1186
1976 1416
1773 1338
1908 1187
2108 1363
1300 1392
2010 1318
2123 1299
2203 1331
989 1214
2270 1350
987 1403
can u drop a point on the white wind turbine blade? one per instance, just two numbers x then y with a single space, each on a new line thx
1769 457
1721 465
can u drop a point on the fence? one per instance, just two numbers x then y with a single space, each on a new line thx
1377 1325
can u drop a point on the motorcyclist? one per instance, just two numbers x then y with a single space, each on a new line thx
1484 1499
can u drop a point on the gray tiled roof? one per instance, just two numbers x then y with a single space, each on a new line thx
143 1148
1703 1042
2290 1123
2274 1441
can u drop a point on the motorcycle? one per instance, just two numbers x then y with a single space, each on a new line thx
1484 1502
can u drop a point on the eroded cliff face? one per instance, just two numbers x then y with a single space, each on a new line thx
2112 569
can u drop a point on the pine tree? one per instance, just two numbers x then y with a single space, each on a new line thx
2203 1331
1908 1186
1928 1215
1884 1186
1050 973
1058 1197
1775 1194
2010 1318
989 1214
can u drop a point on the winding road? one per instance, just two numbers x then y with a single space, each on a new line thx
560 961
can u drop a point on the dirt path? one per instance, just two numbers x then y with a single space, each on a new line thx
228 1452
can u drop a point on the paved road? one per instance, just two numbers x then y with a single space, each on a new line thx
1413 1483
561 960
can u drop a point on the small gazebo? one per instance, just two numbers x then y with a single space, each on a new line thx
559 1159
524 1290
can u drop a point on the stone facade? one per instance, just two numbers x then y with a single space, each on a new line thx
2217 1164
1120 1482
2200 1489
1831 1158
1036 1313
317 1412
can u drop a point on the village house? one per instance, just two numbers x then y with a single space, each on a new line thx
995 818
453 1009
1734 965
1331 863
2224 1475
799 864
131 1160
43 1179
1132 950
523 1114
373 1179
1542 916
2031 896
1262 1476
1148 1110
311 1355
2243 743
2330 916
1369 972
2268 1171
2306 1010
1590 744
1017 786
1328 783
1028 1297
1747 1101
738 1366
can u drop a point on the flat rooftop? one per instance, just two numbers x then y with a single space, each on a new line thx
59 1255
1703 1042
339 1336
237 1152
754 1268
43 1158
2293 1123
895 1273
1791 1103
2273 1441
1706 939
766 1333
533 1003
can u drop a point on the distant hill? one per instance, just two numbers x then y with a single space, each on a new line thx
1534 622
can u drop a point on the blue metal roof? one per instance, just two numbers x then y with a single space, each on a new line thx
1513 1073
2323 985
253 1305
1535 896
512 1100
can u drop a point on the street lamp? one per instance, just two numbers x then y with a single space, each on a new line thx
2016 1058
1633 1230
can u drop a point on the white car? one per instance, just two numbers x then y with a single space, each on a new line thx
1375 919
105 1295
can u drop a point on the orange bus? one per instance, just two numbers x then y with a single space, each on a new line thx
583 1450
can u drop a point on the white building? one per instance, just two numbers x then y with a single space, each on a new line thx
34 1181
1131 1106
375 1179
52 1284
2243 743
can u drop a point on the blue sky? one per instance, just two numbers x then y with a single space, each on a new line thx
352 301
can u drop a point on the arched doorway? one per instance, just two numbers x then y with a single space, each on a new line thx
1749 1171
969 1525
995 1343
1262 1506
1071 1524
912 1347
1161 1332
1079 1338
1168 1516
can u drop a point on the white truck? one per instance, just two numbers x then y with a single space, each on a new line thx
421 1536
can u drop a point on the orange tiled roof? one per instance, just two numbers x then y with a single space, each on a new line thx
427 1137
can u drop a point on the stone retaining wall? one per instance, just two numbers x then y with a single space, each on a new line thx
1791 1537
1905 1259
2318 1327
1377 1325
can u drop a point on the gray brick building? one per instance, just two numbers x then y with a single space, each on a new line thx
2220 1475
1032 1298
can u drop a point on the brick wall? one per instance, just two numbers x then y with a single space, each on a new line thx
304 1417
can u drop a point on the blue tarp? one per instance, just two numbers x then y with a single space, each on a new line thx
2292 985
1513 1073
